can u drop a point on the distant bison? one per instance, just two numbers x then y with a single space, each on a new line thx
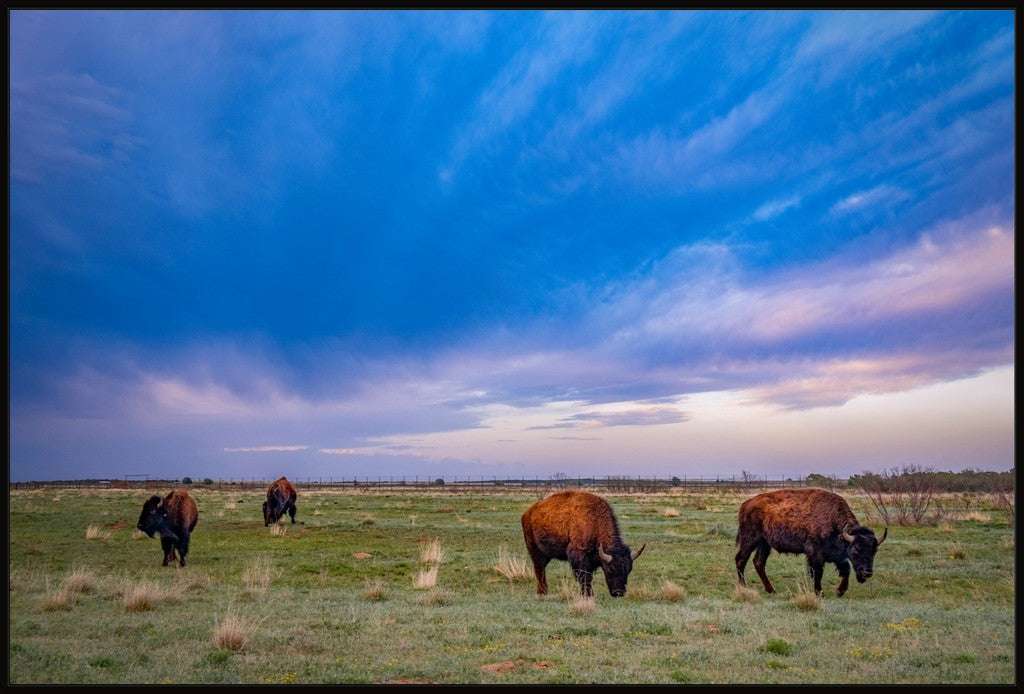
581 528
814 522
173 516
280 498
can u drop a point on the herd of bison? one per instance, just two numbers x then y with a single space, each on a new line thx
581 528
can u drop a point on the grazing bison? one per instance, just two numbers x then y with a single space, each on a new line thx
814 522
581 528
173 516
280 498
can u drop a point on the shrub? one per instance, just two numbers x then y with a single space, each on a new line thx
426 579
186 480
778 646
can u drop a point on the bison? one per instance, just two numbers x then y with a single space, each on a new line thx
280 498
581 528
814 522
173 516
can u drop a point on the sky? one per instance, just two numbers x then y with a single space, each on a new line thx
501 244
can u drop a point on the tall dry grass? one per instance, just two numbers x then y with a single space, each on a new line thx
432 553
511 567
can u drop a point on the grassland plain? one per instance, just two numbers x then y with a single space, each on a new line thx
435 588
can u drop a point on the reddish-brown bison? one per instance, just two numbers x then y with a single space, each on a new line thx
280 498
581 528
173 516
814 522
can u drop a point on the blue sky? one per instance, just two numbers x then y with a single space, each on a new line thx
510 243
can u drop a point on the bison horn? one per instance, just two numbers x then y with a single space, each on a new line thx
636 554
604 556
884 534
847 536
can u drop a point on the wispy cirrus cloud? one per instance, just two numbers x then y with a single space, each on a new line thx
265 449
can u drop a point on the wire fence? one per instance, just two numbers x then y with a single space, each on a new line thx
469 485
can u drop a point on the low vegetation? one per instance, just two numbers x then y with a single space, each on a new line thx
385 587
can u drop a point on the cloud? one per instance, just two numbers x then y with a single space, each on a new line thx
774 208
869 198
651 416
63 123
264 449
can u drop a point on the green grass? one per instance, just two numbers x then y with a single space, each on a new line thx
299 608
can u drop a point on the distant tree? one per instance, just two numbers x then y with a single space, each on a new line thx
439 481
817 480
207 480
676 481
186 480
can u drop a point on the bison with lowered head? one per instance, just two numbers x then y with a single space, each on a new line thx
280 498
581 528
173 516
814 522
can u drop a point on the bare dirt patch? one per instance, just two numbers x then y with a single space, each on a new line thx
361 555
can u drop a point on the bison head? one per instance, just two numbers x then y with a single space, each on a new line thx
616 565
269 514
153 518
861 546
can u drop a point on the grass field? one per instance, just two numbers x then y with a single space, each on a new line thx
391 588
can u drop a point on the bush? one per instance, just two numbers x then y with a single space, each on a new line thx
207 480
186 480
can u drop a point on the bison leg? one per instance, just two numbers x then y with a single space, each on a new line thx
741 563
183 550
582 570
291 512
168 546
816 569
539 565
760 559
844 574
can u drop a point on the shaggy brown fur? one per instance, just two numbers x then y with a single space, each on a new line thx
280 499
581 528
174 517
814 522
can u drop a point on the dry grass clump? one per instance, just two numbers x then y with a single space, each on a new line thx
367 519
511 567
945 527
142 597
806 599
433 597
567 589
432 553
64 598
278 530
95 532
257 578
81 580
139 535
670 513
582 604
746 594
671 591
230 633
979 517
374 590
427 578
230 506
956 551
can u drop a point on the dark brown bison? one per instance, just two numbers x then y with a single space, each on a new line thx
173 516
581 528
280 498
813 522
